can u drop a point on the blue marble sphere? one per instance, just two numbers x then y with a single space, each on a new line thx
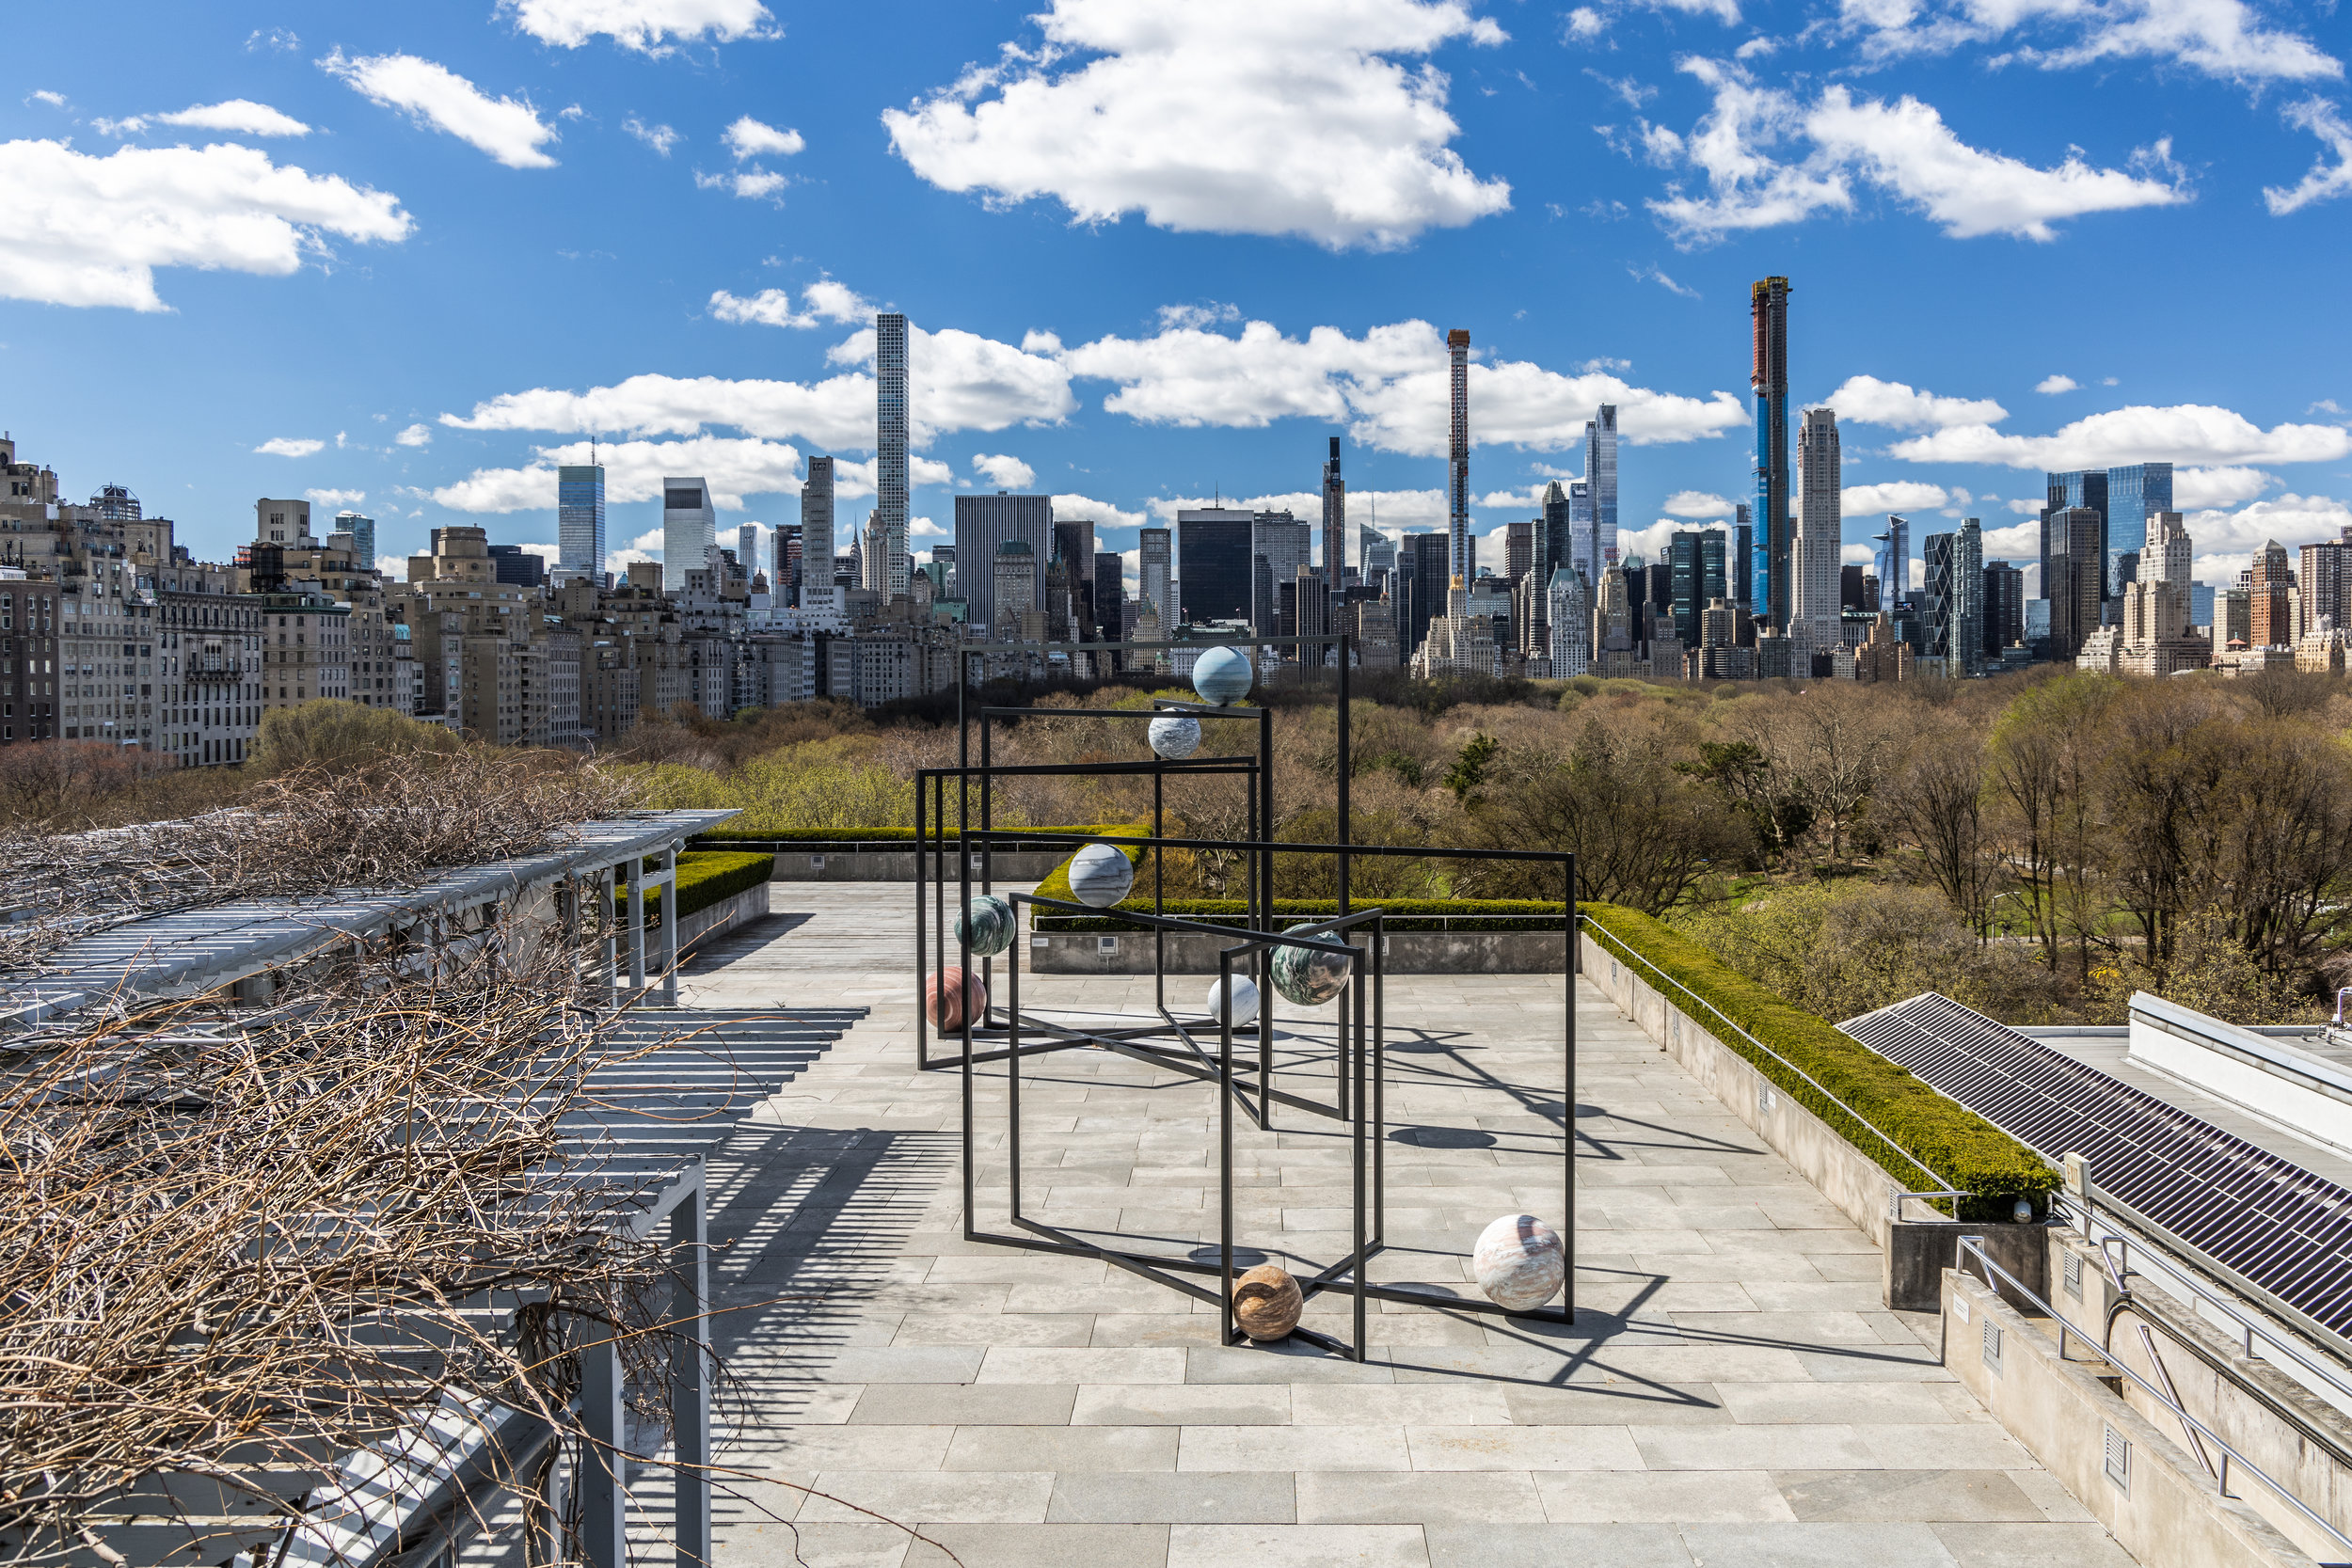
1519 1262
1175 736
1244 1000
1221 676
988 924
1307 976
1100 875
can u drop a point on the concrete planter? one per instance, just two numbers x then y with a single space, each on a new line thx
1410 953
1913 1253
743 908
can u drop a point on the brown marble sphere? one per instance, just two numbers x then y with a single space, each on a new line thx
1267 1302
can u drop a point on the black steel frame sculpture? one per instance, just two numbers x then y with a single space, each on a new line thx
1356 938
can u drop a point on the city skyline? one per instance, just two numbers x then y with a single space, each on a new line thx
463 177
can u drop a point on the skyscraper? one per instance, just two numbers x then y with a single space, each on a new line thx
1375 555
1769 307
362 530
1742 569
2004 606
580 516
1424 566
1600 472
1582 550
890 452
983 524
816 590
1815 616
2273 599
1073 550
1894 560
747 548
2325 581
2070 576
689 531
1968 596
2135 495
1334 522
1559 540
1458 461
1154 572
1213 548
2085 488
1110 595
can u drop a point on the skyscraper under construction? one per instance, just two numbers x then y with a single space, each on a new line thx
1769 306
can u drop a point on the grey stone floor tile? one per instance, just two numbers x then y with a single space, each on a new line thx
1648 1497
1062 1448
1523 1448
1616 1401
1185 1404
1024 1365
1040 1546
1925 1496
1898 1404
928 1496
906 1364
995 1328
1825 1545
2050 1494
1753 1447
1343 1497
2069 1545
1194 1497
1295 1448
1400 1404
1296 1547
965 1404
862 1448
1286 1362
792 1544
1555 1546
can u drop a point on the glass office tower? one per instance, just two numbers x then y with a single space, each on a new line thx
580 517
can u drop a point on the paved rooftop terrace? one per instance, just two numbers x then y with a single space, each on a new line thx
1731 1395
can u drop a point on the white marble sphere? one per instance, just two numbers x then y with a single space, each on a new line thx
1519 1262
990 924
1307 975
1221 676
1176 735
1244 1000
1100 875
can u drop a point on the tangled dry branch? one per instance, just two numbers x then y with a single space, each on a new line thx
235 1246
389 824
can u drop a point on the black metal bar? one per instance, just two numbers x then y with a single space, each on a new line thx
922 1023
1225 1150
1573 963
1355 1053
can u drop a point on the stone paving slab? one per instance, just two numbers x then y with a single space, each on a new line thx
1732 1394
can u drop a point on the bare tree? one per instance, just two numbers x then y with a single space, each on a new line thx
1936 806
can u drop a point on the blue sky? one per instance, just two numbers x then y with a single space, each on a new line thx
1156 251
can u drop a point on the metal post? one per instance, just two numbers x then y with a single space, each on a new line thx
1013 1073
1353 1055
636 924
690 1372
670 923
609 945
603 1463
1225 1150
1574 964
1346 767
1159 899
922 849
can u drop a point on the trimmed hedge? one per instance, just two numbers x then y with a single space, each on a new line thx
1946 1137
1459 915
859 835
703 880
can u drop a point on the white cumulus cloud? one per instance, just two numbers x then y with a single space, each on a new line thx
2197 489
1903 149
508 129
415 435
1697 503
660 137
645 25
1867 399
1003 472
748 138
1218 116
2225 39
89 231
236 114
289 446
1103 514
335 500
735 468
2051 385
1901 494
2190 433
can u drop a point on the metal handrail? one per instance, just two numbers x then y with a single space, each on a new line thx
1945 1191
1974 1246
2178 1277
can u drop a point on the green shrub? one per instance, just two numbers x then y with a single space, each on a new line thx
1950 1141
1403 914
703 880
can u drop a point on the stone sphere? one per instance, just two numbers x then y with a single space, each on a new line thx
1519 1262
1244 1000
1175 736
1100 875
988 924
1267 1302
949 997
1222 676
1308 976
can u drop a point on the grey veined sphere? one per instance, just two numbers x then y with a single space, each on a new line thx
1519 1262
1221 675
987 923
1176 735
1100 875
1244 1000
1307 976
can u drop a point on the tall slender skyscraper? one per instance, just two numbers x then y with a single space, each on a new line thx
1334 522
1583 550
1769 378
1559 544
890 450
1894 560
1742 569
1458 462
1155 568
817 592
1600 472
1815 608
580 517
688 530
2135 496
